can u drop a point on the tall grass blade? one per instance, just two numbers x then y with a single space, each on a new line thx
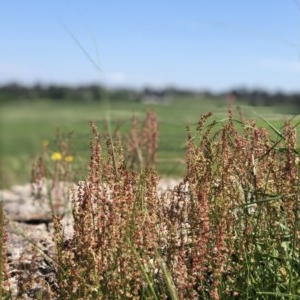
168 278
74 38
271 126
144 271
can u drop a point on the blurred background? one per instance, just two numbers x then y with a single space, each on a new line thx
64 63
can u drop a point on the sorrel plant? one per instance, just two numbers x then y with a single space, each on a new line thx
229 230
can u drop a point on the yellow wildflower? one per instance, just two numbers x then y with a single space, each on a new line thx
56 156
69 158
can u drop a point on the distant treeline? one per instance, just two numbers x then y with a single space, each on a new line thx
61 92
91 93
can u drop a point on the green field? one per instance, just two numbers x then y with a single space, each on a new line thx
25 125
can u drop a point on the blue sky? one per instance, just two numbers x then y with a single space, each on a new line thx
198 44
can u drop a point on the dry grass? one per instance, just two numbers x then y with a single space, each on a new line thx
230 230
